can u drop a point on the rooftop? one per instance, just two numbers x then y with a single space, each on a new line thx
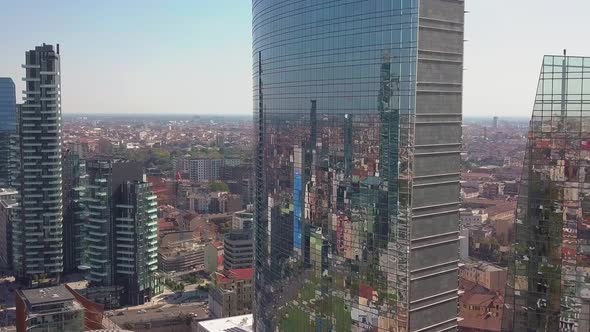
485 266
235 274
7 191
47 295
243 323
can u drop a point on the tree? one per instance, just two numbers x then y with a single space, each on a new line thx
217 186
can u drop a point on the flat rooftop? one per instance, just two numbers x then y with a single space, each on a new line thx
243 323
47 295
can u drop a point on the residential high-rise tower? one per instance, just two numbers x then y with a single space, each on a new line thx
357 110
121 230
549 275
37 226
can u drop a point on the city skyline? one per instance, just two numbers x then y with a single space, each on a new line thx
201 49
299 165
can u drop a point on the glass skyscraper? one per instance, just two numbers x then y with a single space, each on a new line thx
357 109
37 227
549 278
7 126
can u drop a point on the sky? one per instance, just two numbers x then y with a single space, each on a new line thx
194 56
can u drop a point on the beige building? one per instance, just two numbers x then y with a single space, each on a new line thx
490 276
182 256
213 256
232 293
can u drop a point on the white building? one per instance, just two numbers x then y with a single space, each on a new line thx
473 217
243 323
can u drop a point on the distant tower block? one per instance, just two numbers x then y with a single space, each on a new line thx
495 122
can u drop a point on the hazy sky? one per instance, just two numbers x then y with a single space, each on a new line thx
194 56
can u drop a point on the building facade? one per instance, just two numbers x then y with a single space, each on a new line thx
358 132
238 249
201 170
489 276
548 283
48 309
7 205
7 126
37 230
121 230
182 256
75 213
231 294
242 219
213 257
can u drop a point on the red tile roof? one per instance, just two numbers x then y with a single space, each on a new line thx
365 291
236 274
242 274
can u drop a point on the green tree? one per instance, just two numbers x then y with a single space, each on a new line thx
218 186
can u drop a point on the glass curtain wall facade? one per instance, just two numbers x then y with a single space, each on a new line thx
7 127
549 278
37 228
357 109
75 181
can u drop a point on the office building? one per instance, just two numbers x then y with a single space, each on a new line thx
548 278
74 184
48 309
358 133
238 249
121 230
180 256
37 233
7 126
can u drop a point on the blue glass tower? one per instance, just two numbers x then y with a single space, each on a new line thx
7 126
357 109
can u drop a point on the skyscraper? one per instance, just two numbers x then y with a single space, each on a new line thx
75 212
7 126
37 226
121 230
549 276
358 128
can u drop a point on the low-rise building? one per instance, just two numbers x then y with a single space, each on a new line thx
489 276
492 189
214 256
242 323
480 309
231 294
469 192
182 256
473 217
48 309
242 219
